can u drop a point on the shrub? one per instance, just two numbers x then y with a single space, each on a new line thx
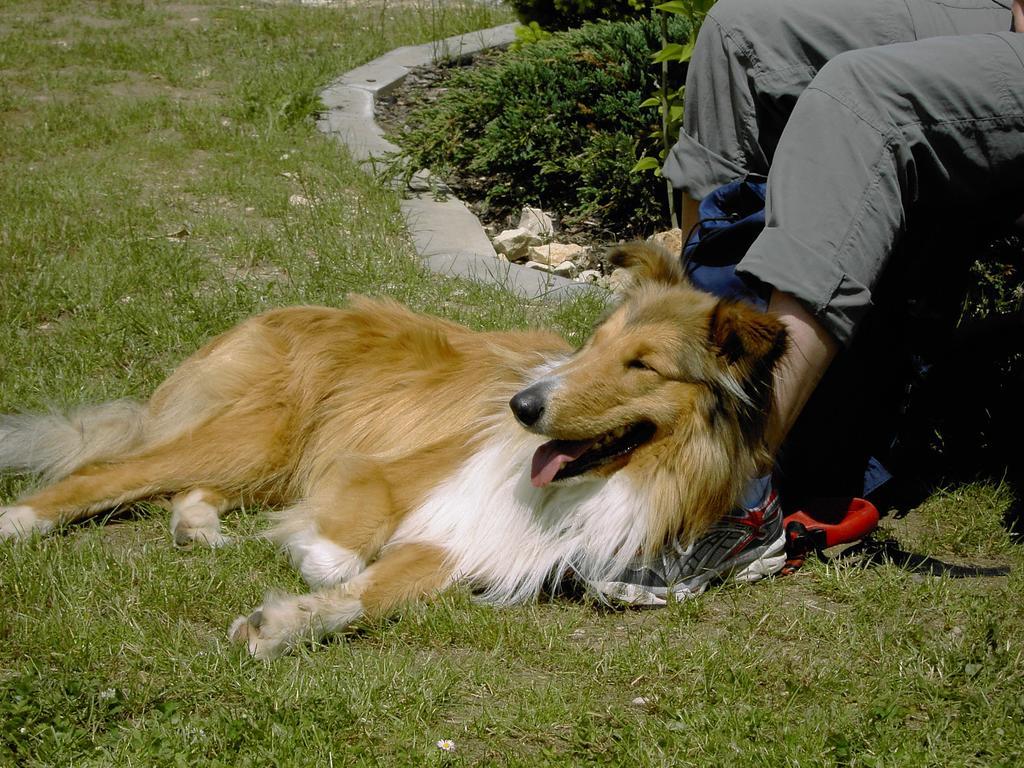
557 123
562 14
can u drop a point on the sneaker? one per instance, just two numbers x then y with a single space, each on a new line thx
744 546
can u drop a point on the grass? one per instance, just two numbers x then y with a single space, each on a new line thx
148 153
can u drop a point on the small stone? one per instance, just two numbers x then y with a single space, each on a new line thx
555 253
538 266
424 181
640 701
620 280
536 221
298 200
589 276
671 240
566 269
179 235
589 259
515 243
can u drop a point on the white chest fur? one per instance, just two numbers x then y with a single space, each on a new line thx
507 537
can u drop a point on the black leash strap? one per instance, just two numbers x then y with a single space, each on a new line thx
877 552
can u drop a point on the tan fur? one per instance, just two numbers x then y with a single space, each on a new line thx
700 466
354 416
195 517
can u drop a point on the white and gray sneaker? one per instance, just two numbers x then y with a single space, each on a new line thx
746 545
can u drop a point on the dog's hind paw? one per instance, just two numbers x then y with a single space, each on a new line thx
19 523
184 537
197 523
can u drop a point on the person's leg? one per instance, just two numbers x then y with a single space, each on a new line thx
811 350
752 61
942 123
883 140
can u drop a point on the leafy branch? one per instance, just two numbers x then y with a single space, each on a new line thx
669 100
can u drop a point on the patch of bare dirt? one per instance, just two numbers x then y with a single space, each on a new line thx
186 13
136 85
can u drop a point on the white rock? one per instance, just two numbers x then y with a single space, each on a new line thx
671 240
589 276
538 266
299 200
620 280
566 269
538 222
515 243
555 253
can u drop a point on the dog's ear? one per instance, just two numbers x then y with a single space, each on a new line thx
647 262
750 341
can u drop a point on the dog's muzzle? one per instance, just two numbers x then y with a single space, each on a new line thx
528 405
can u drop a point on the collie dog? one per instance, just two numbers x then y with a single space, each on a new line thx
407 453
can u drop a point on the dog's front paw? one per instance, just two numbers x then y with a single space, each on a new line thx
273 628
246 630
19 523
283 621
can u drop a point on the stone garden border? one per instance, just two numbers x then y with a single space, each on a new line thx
447 236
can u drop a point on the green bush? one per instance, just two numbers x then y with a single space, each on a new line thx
557 123
562 14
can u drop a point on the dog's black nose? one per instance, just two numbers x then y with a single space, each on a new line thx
528 405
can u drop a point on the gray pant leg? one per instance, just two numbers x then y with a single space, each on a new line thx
880 136
753 59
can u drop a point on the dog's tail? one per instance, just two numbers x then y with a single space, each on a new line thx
54 444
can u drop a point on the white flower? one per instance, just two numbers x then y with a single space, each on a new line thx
446 745
107 694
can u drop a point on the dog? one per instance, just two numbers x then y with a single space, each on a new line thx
407 452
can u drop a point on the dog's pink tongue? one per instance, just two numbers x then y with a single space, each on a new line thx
554 455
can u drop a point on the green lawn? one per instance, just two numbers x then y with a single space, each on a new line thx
148 153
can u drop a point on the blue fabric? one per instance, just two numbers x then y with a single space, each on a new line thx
756 492
731 217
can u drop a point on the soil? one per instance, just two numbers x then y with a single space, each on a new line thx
424 85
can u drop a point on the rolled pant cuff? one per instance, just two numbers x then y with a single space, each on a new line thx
695 170
818 281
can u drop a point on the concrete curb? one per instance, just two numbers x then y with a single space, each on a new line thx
446 234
